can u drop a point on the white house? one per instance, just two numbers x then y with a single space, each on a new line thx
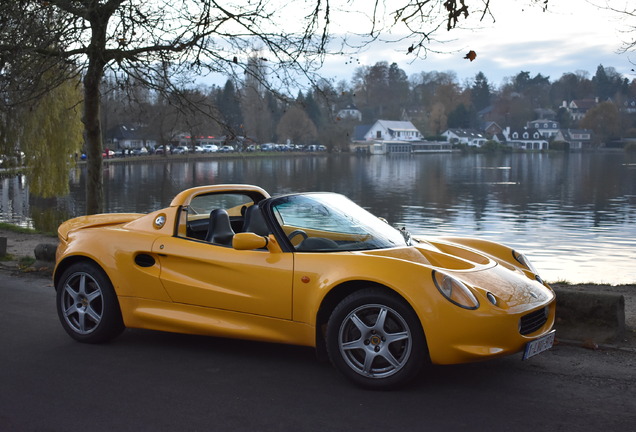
578 108
470 137
578 139
388 130
525 139
349 112
547 128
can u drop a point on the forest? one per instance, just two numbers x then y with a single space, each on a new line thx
433 101
72 69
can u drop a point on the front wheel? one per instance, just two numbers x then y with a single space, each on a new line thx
87 305
376 340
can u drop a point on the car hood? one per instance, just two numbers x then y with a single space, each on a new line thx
509 285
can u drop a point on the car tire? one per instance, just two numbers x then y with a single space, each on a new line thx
375 339
87 305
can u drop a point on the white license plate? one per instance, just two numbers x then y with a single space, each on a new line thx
540 345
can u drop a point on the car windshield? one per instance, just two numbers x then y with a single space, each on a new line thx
329 222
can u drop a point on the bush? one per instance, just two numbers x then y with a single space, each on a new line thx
492 146
630 147
559 146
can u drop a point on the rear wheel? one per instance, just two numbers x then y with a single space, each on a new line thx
375 339
87 305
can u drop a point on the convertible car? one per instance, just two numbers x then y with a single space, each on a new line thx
311 269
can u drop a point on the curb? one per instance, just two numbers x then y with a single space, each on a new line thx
590 316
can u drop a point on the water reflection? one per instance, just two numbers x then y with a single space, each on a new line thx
574 214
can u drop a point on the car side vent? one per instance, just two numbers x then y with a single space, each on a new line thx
144 260
533 321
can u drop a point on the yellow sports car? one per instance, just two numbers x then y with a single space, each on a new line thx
309 269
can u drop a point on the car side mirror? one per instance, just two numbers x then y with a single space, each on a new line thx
249 241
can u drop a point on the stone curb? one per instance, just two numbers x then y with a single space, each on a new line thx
593 316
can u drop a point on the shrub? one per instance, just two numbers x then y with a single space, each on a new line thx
559 146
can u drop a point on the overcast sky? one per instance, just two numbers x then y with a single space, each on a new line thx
522 38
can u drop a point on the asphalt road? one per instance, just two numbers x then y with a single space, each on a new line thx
152 381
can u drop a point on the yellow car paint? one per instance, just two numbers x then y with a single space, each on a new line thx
258 291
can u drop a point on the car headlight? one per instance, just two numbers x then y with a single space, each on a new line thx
525 262
455 291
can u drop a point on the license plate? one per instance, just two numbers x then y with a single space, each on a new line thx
540 345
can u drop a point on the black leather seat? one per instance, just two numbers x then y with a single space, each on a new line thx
254 221
220 230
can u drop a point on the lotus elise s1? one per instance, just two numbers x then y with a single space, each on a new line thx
310 269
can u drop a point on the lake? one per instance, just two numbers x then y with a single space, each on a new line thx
573 214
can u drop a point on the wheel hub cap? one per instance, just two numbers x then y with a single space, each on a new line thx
375 340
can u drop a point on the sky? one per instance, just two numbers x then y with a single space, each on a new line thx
523 38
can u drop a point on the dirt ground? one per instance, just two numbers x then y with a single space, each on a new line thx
21 245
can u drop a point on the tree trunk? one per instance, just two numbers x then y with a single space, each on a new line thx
98 17
93 137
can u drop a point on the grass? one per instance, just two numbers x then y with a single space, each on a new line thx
23 230
7 257
17 229
25 262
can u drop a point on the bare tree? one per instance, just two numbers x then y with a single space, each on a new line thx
155 41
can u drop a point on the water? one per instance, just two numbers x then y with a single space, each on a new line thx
574 215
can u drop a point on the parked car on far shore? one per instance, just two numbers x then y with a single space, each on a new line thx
210 148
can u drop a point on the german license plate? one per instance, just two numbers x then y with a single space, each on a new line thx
540 345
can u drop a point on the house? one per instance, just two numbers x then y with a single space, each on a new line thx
629 106
389 130
387 136
470 137
547 128
577 139
349 112
525 139
492 129
545 113
578 108
127 136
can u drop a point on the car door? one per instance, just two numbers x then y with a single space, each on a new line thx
250 281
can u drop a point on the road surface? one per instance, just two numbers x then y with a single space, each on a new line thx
152 381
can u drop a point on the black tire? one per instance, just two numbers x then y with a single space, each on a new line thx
375 339
87 305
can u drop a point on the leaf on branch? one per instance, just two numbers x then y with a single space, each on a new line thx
471 55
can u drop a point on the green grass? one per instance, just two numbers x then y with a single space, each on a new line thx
25 262
23 230
17 229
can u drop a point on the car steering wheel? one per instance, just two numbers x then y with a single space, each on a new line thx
294 233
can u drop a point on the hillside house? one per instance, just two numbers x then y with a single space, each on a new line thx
349 112
578 108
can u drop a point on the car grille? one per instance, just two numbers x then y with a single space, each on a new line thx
533 321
